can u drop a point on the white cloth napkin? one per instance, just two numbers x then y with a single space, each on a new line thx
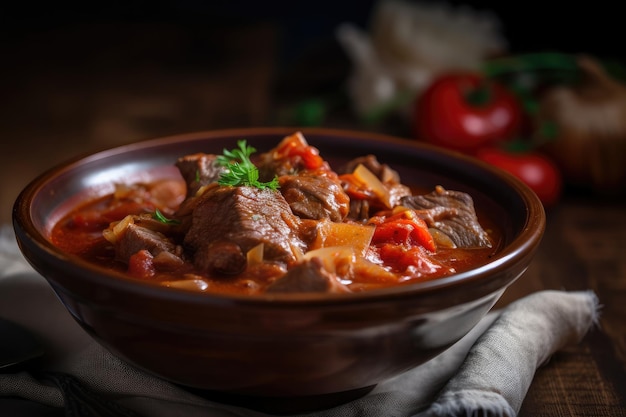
489 370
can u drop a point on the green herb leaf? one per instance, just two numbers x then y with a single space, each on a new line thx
157 215
240 169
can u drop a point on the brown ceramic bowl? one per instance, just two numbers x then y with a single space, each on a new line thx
313 350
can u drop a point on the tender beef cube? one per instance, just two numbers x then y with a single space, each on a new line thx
198 170
221 258
315 197
277 162
361 209
452 213
136 238
229 221
307 277
270 168
167 261
384 173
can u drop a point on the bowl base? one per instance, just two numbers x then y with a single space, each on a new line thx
283 405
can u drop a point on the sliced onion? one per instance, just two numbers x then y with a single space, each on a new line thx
114 233
188 284
441 239
330 256
297 252
399 209
368 178
255 255
357 236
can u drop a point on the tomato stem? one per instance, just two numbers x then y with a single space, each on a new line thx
481 95
531 62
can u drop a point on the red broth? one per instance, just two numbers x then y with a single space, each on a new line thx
80 233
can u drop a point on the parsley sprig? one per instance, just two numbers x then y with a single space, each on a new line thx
240 169
157 215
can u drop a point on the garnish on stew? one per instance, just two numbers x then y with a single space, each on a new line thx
241 171
157 215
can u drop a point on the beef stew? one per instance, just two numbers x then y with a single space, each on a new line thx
294 224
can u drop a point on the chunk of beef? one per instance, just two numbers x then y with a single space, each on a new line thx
293 155
307 277
361 209
452 213
198 170
384 173
221 257
270 167
136 238
315 197
229 221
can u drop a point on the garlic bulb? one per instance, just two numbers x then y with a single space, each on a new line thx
590 121
408 44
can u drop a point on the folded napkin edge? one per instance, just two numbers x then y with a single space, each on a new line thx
459 402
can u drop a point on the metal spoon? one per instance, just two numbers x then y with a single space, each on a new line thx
19 347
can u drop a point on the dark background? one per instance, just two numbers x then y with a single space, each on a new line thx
594 27
82 76
115 35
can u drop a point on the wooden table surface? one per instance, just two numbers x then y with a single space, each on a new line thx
583 248
62 99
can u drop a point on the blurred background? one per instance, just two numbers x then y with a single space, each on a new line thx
85 76
80 77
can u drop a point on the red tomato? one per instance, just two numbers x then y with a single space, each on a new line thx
296 146
401 258
533 168
464 111
405 232
403 228
140 264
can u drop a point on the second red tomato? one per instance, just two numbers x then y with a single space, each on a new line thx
533 168
465 111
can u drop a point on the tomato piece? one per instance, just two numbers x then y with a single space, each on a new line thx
354 188
140 265
296 146
403 259
466 110
404 228
311 158
536 170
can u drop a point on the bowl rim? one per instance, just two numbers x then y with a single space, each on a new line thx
27 233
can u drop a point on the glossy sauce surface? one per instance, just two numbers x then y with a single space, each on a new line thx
80 232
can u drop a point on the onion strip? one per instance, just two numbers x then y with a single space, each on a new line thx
370 180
